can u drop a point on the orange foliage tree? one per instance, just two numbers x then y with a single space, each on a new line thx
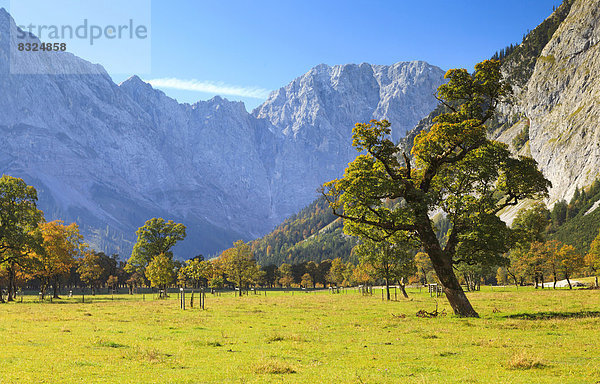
61 246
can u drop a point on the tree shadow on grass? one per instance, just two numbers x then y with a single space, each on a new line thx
554 315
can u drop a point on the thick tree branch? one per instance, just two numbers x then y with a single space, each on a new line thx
383 225
391 173
452 242
510 201
444 102
408 167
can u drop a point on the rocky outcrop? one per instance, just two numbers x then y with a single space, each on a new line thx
562 102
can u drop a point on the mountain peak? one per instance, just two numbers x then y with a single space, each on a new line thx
333 99
4 13
135 81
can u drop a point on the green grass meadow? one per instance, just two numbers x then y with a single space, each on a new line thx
523 336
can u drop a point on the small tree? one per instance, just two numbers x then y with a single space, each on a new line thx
390 262
217 280
501 276
240 265
323 271
155 237
570 262
61 245
89 269
336 272
286 277
552 261
530 224
312 269
363 274
424 269
196 272
161 272
536 260
592 259
112 282
307 280
134 281
517 267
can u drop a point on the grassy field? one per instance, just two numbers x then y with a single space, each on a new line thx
523 336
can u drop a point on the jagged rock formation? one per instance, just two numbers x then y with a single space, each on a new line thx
112 156
326 102
317 111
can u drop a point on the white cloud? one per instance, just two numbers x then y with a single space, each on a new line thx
209 87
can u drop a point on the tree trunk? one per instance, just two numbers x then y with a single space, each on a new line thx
442 264
14 287
403 288
596 281
11 283
569 281
514 276
55 287
387 289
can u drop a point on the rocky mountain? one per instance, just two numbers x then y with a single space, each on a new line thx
316 112
111 156
561 102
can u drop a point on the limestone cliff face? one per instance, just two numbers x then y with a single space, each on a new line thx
558 101
562 102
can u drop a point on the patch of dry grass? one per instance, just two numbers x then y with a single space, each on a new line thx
525 360
273 366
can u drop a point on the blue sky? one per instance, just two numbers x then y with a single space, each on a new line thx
243 49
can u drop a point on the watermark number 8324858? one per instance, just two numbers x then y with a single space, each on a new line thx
46 47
